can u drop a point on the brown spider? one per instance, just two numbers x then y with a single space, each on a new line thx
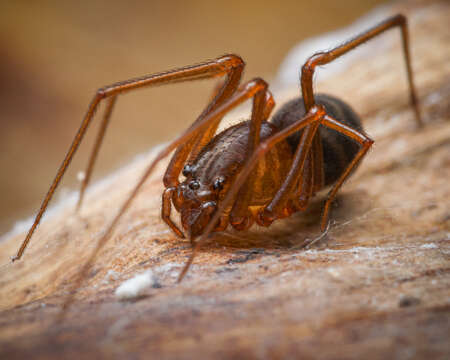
258 170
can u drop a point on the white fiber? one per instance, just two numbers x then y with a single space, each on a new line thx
136 286
81 175
429 246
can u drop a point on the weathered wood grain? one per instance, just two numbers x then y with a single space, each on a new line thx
376 286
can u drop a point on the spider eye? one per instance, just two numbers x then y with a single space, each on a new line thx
186 170
194 185
218 184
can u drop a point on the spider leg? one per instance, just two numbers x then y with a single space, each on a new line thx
245 92
323 58
306 183
268 106
313 179
314 115
277 206
98 142
190 150
263 103
240 216
233 67
166 209
214 68
202 139
365 143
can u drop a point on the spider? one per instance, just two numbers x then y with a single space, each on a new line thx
259 170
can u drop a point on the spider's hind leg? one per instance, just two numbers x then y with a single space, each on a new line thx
365 143
326 57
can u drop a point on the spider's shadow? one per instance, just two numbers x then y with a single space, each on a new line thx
295 231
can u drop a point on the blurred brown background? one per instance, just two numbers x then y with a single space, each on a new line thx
55 54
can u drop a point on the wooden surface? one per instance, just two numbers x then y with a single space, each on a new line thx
376 286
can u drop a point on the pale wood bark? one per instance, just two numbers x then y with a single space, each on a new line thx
376 286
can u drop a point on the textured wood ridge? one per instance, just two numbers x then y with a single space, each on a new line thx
376 286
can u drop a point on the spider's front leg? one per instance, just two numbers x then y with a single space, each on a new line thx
229 65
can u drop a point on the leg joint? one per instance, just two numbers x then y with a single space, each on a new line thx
308 68
400 18
101 93
260 83
368 142
262 148
312 62
319 110
255 85
231 61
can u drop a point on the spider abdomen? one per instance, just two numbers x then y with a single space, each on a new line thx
338 149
